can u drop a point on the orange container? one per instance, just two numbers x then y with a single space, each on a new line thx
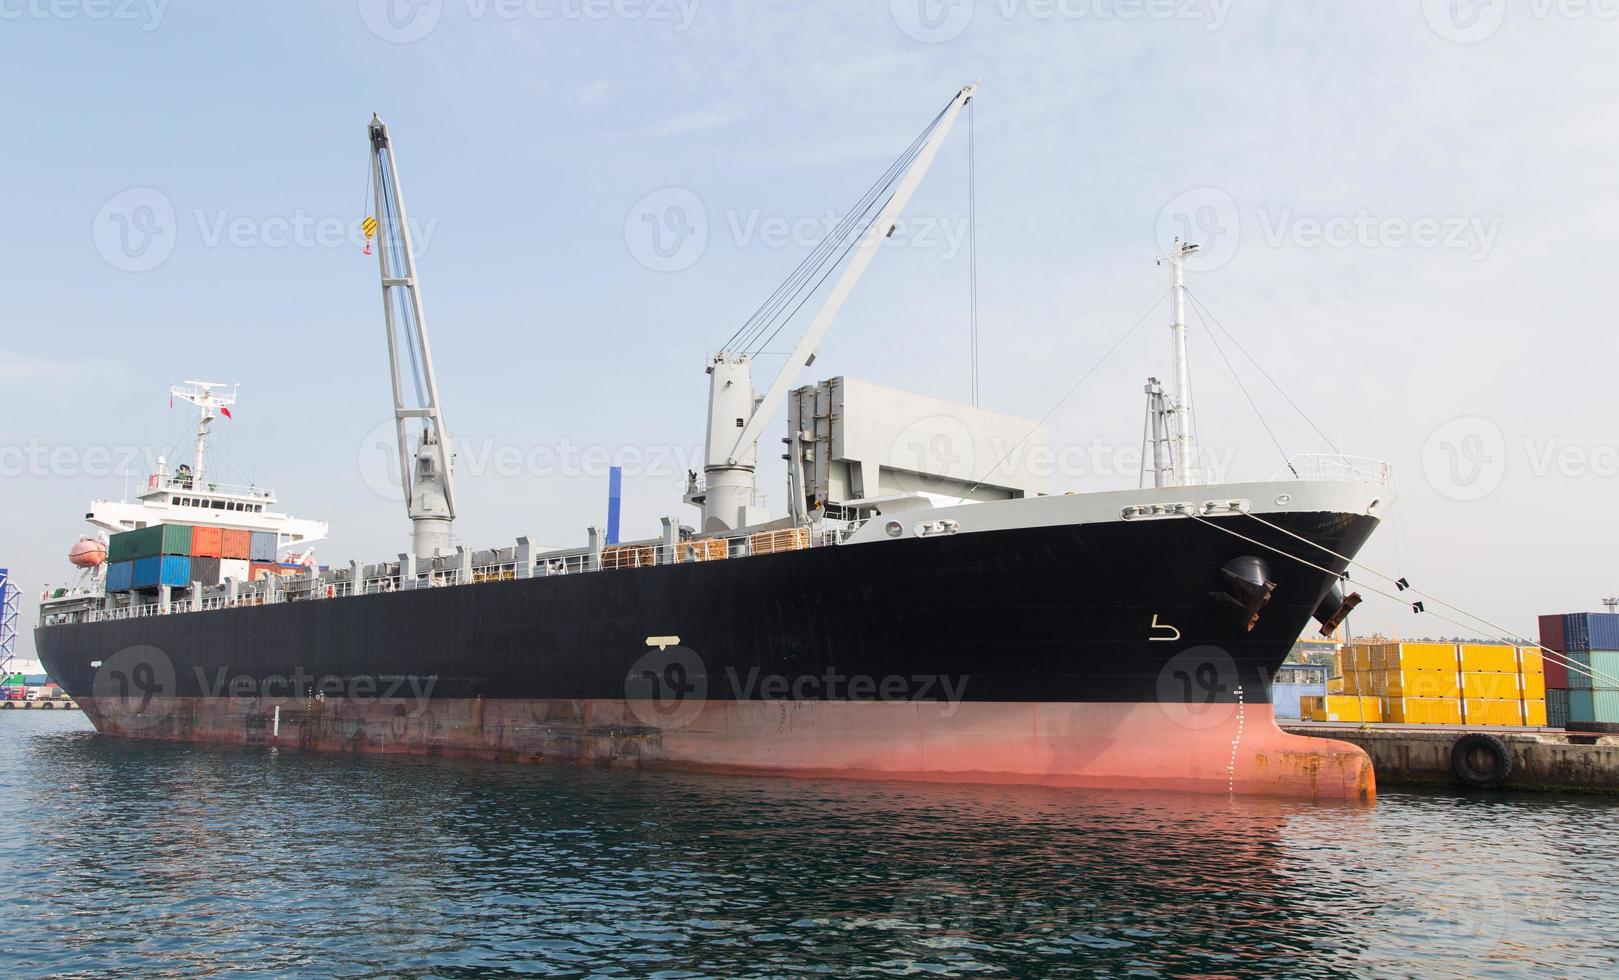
233 544
206 542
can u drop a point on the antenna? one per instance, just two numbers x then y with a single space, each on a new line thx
1612 604
210 399
429 492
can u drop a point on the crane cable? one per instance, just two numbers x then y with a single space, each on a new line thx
1286 460
1198 306
972 242
1066 395
744 337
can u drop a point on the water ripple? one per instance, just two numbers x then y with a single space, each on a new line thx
126 858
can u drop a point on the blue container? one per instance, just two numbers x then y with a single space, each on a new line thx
1591 631
170 570
1604 631
1576 632
262 546
1557 709
120 576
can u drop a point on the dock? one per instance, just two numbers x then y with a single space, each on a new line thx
1536 760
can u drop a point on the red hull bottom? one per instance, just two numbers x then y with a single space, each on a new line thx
1225 748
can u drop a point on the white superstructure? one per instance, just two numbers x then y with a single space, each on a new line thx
187 495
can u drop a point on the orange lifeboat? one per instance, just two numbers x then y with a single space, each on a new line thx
88 553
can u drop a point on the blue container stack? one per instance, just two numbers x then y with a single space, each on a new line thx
158 570
1591 641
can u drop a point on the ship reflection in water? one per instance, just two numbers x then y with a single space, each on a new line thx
124 856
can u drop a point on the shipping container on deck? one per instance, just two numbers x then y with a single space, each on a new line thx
205 541
261 546
158 539
1605 705
1605 668
1581 706
1604 631
1556 670
239 569
121 546
1551 632
205 569
1579 671
120 576
1423 711
235 544
1591 631
1557 708
158 570
1492 711
1489 658
1576 632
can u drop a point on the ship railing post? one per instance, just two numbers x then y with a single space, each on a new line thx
233 590
595 561
463 566
525 558
355 585
196 597
163 599
407 571
671 541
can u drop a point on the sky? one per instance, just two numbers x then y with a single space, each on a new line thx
1406 213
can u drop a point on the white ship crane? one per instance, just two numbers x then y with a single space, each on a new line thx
737 414
424 468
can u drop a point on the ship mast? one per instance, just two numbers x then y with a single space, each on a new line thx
1180 413
210 398
426 478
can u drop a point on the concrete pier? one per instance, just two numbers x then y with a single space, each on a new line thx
57 704
1541 760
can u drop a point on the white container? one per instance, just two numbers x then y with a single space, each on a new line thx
236 568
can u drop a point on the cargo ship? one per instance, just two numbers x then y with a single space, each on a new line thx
926 609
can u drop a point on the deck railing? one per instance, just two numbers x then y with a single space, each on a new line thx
1336 467
316 585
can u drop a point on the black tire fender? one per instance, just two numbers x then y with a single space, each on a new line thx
1464 755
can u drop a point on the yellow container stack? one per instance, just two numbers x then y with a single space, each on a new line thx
1435 684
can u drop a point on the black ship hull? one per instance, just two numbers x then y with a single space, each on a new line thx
1086 654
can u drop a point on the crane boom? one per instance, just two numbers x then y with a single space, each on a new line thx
426 478
737 414
863 254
